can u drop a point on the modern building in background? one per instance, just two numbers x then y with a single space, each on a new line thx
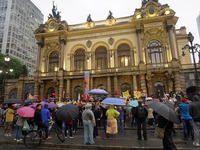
18 21
198 24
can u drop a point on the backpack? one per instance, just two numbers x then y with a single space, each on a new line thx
141 112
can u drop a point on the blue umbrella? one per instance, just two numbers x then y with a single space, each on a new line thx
113 101
134 103
98 92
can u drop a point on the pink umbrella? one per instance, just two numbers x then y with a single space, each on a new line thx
149 98
155 99
26 112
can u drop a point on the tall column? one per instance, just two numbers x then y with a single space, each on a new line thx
143 83
109 85
134 83
138 31
91 83
68 88
171 40
40 45
177 81
132 58
36 89
108 59
116 59
92 61
62 42
72 62
61 85
115 84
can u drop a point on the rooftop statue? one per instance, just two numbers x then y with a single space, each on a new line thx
110 16
146 1
55 13
89 19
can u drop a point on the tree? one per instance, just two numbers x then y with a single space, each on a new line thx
18 68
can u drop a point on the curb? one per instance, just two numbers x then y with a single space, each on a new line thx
91 147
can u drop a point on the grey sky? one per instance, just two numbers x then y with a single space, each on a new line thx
76 11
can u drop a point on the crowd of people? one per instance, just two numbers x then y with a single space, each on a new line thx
112 118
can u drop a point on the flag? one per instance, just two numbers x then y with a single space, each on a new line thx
120 94
41 97
54 94
166 97
83 96
126 94
88 98
32 97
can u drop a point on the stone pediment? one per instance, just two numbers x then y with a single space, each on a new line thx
153 9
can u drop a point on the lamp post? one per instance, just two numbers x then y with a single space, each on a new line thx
5 71
193 48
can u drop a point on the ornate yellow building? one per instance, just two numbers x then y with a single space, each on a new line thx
139 52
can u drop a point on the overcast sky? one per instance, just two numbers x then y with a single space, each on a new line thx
76 11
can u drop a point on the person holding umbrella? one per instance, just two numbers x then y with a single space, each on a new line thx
111 114
9 120
88 124
38 120
168 143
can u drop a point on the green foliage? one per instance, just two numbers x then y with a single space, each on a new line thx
18 68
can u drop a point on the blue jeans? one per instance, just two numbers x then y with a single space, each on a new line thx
18 132
88 131
120 124
188 124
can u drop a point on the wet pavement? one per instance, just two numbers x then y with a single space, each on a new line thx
125 140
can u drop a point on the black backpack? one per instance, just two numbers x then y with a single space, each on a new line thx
141 112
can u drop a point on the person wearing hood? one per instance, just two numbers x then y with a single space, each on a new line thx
45 114
111 114
194 110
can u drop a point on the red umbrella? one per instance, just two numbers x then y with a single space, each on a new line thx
26 112
35 104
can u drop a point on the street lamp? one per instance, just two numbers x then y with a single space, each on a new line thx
193 48
5 71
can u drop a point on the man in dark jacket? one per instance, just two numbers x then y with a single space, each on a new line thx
141 114
38 120
194 109
168 143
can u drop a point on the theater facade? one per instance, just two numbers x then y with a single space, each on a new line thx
139 52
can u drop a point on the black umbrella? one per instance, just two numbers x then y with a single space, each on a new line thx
164 110
17 107
30 101
170 104
67 112
13 101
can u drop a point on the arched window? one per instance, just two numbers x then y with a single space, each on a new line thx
79 60
13 94
159 89
53 61
101 86
126 87
51 92
101 57
78 91
123 52
155 55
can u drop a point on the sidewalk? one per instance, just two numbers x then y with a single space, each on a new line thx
126 140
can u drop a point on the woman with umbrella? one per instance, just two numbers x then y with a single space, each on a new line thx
111 114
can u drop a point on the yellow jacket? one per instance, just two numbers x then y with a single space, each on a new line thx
112 113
